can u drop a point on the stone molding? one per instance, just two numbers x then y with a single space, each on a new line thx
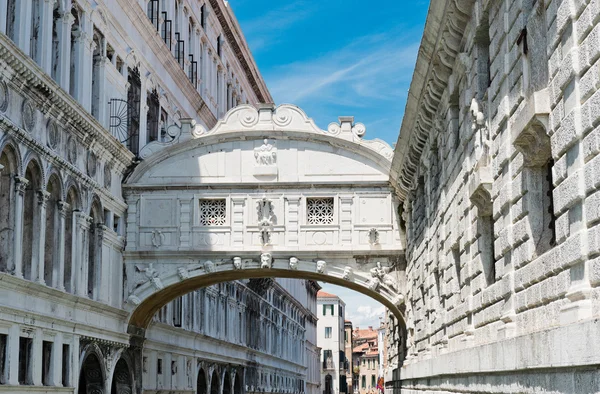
444 29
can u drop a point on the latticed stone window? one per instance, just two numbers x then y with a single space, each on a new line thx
319 210
213 212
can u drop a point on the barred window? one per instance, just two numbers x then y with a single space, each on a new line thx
213 212
319 210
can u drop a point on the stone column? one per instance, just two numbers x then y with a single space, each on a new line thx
56 365
63 67
3 15
102 269
20 186
86 57
43 197
45 36
12 355
23 11
36 360
58 278
80 255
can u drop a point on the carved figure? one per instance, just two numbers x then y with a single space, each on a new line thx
382 274
265 212
347 273
157 238
183 273
293 263
209 267
373 236
237 263
321 265
265 155
478 124
265 260
147 274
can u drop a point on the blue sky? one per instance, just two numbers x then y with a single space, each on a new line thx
335 58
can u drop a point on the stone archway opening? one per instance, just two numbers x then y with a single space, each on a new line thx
226 383
215 384
121 382
201 383
328 384
91 378
237 385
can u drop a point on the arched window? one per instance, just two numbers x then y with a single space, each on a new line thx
98 75
227 383
57 27
35 39
11 30
30 220
237 385
52 234
7 214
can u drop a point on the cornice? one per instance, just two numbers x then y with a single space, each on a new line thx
238 44
32 76
440 46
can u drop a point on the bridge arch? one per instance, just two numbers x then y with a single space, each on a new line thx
265 193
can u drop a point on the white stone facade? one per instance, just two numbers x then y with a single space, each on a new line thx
330 338
63 223
497 166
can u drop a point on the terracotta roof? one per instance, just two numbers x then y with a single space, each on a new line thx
360 348
372 352
365 334
324 294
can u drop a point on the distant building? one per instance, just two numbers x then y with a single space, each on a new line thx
365 356
348 346
330 334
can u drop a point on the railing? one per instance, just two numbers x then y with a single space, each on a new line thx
193 74
180 50
167 31
153 12
119 119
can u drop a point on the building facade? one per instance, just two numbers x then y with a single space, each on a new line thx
348 346
84 87
366 360
497 166
330 337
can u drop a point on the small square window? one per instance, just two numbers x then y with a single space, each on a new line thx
328 331
319 210
213 212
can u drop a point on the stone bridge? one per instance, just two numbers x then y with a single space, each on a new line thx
266 193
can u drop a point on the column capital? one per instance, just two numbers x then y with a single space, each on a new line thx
21 184
43 196
63 207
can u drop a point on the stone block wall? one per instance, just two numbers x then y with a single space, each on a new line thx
503 225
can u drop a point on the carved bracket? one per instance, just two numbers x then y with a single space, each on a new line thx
480 191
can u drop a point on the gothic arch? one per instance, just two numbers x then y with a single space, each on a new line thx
122 379
202 381
91 371
11 150
215 382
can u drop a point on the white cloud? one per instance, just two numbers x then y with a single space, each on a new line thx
376 67
361 310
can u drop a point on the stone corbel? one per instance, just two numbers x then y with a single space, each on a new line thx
530 125
480 189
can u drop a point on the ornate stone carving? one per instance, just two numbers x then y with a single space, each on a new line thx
383 276
282 116
238 263
266 260
53 135
348 273
72 150
92 164
107 175
3 96
534 144
482 199
373 236
249 117
321 266
20 184
133 299
293 263
147 274
28 116
265 219
158 238
483 140
359 130
266 154
209 267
